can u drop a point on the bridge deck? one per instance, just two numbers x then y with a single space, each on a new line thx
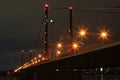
89 57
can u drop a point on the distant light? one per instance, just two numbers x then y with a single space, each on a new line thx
101 69
103 34
35 58
57 69
35 61
39 55
58 52
59 45
75 45
51 21
46 5
47 58
43 58
30 51
22 51
38 60
75 69
31 60
70 8
82 32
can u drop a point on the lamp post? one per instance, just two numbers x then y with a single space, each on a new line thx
75 46
46 30
103 35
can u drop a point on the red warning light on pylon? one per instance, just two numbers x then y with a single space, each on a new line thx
46 5
70 8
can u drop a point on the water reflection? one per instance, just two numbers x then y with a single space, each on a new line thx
68 74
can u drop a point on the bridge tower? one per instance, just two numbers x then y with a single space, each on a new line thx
46 30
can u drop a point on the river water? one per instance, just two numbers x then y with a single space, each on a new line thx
84 77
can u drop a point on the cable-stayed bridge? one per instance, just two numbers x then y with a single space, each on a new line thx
94 59
99 58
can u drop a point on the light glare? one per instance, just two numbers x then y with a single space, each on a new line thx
82 33
59 45
46 5
58 52
75 45
103 34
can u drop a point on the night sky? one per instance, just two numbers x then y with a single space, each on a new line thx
20 23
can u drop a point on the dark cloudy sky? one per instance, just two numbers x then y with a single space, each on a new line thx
20 22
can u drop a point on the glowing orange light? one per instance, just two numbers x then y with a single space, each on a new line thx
39 60
39 55
47 58
35 61
58 52
59 45
43 58
35 58
83 32
75 45
103 34
31 60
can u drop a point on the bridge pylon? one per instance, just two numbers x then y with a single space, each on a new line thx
46 20
70 30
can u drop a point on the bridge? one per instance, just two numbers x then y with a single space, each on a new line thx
95 59
104 55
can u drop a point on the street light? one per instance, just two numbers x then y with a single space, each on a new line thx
75 45
58 53
43 58
82 32
39 60
31 60
59 45
103 34
36 62
39 55
35 58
